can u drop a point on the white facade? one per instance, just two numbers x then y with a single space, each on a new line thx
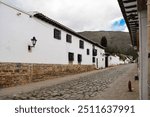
100 58
18 28
114 60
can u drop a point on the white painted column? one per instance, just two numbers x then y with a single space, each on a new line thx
148 38
143 57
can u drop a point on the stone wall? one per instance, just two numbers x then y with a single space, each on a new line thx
12 74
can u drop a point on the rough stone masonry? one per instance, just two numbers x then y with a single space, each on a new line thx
13 74
84 87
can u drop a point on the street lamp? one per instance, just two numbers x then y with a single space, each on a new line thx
33 40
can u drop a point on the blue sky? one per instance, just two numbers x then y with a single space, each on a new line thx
119 25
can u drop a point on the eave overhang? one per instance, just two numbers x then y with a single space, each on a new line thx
46 19
130 13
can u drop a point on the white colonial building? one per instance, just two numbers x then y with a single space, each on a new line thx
56 44
114 60
33 46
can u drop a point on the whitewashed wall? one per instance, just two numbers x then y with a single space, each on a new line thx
114 60
74 48
127 61
16 33
100 57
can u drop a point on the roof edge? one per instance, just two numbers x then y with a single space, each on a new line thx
46 19
13 7
125 17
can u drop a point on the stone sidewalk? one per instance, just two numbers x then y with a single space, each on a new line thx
118 90
110 83
39 85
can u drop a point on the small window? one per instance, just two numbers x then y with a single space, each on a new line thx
71 57
79 58
68 38
57 34
102 59
81 44
88 52
93 59
94 52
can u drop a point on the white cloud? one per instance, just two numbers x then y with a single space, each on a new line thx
79 15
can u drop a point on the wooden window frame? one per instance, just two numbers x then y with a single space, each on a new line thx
57 34
94 52
79 58
70 56
88 51
68 38
81 44
93 59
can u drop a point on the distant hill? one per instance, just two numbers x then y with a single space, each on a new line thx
117 42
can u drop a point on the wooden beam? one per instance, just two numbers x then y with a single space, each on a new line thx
137 39
128 1
135 28
132 25
125 17
131 6
132 11
136 18
133 21
132 15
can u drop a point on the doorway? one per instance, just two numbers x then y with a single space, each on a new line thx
106 61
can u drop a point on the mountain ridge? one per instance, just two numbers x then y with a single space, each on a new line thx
117 42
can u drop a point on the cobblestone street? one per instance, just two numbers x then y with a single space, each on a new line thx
82 88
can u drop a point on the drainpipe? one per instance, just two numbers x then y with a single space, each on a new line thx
148 39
